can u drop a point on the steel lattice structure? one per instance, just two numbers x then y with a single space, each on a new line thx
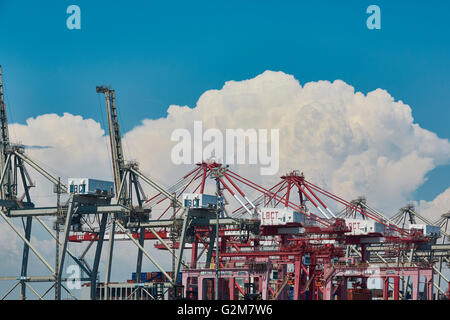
233 250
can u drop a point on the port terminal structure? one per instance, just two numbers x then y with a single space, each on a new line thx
294 240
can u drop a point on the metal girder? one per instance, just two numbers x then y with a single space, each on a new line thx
34 291
164 243
222 221
27 242
179 256
434 247
37 278
98 252
5 161
127 232
139 259
156 186
10 290
5 171
143 284
43 172
15 204
85 209
68 222
195 222
50 211
110 254
114 136
26 250
70 253
155 223
48 290
120 193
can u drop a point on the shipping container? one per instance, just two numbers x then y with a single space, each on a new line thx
88 186
201 201
142 279
363 226
279 216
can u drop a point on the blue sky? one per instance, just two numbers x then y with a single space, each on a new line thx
160 53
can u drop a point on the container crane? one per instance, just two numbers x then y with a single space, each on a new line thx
126 178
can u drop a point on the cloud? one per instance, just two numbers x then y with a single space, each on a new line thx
74 145
436 208
9 245
348 142
345 141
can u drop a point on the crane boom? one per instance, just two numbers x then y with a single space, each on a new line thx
4 121
114 136
6 182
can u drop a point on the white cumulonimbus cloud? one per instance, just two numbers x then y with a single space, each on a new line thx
345 141
434 209
348 142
